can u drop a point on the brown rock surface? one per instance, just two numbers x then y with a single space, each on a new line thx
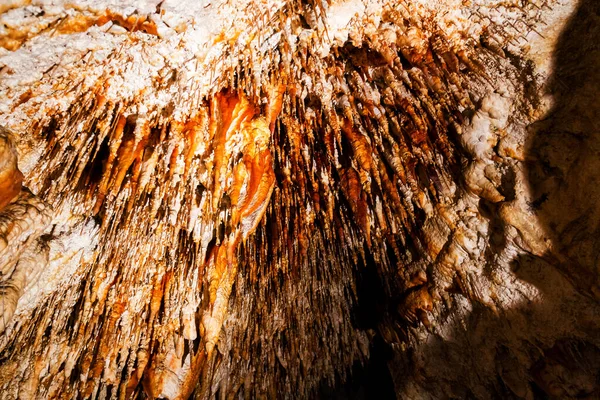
11 178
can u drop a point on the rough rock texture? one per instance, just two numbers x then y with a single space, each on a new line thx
295 199
11 178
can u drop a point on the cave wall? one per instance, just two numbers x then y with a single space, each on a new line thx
299 199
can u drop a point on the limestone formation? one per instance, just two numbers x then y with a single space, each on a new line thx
299 199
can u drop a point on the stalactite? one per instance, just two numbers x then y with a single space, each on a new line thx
210 205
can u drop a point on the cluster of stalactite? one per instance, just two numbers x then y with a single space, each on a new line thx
233 238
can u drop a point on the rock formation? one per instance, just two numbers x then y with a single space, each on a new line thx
299 199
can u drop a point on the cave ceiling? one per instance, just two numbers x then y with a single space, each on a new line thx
299 199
